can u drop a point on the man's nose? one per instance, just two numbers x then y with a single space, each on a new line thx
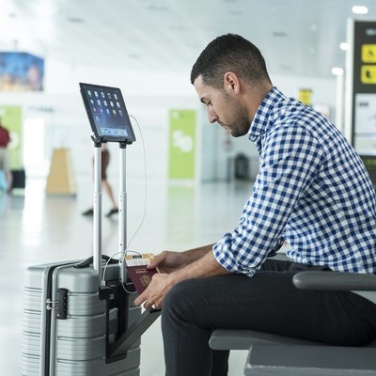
212 116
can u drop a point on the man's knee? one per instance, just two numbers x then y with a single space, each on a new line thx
180 299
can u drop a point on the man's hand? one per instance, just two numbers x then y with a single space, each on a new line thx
174 267
168 262
153 296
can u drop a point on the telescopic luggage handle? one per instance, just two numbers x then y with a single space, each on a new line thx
97 206
97 209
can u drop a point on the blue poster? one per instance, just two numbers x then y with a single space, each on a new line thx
21 71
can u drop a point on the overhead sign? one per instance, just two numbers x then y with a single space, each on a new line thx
369 53
361 85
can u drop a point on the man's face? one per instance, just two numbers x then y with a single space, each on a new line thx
223 108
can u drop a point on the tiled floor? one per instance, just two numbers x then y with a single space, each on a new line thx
37 228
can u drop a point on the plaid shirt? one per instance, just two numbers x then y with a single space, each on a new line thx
312 189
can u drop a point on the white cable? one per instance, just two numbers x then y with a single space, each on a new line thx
112 257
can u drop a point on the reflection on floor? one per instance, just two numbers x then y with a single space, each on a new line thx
36 228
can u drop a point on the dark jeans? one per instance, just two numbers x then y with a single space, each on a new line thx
267 302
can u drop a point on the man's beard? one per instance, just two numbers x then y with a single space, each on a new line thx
238 124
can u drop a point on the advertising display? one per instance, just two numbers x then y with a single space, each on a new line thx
21 71
182 144
11 119
362 85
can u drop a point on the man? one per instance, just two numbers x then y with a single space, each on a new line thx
4 158
312 190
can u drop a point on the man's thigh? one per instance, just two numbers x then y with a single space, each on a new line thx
269 302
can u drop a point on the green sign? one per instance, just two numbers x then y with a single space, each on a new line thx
182 144
11 119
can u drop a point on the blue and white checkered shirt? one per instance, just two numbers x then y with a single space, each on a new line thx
312 188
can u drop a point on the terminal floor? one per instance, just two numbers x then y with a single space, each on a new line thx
37 228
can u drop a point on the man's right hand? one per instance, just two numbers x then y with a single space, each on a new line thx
169 261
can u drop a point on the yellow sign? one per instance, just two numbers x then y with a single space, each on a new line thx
369 53
368 74
305 96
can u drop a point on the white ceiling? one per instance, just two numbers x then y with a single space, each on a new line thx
297 37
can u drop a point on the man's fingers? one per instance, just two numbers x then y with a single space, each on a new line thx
140 299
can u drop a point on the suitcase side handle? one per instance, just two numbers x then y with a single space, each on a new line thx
134 332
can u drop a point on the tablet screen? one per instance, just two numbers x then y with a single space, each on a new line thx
107 113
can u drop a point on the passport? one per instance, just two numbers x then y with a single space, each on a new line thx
138 272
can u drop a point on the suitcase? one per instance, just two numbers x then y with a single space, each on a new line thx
69 328
79 317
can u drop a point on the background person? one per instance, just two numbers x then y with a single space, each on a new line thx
4 157
105 184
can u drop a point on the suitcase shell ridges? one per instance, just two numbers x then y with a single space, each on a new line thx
80 340
31 366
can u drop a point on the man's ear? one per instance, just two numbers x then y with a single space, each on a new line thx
231 83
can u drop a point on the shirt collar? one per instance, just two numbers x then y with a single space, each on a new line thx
262 118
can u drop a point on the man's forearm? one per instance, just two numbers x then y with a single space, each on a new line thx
195 254
204 266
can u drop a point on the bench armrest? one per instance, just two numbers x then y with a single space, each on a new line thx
335 281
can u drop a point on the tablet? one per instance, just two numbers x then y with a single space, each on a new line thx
107 113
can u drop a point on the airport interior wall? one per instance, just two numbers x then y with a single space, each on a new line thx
56 118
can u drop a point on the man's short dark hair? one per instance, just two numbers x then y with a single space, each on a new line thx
230 53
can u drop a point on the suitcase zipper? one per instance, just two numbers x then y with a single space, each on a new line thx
49 309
